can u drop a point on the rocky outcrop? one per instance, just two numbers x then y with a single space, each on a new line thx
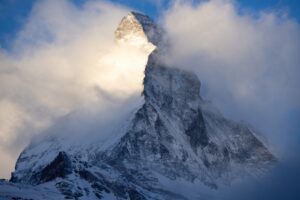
138 30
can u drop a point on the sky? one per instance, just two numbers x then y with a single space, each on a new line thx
14 12
244 52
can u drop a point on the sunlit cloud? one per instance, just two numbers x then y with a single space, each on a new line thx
63 59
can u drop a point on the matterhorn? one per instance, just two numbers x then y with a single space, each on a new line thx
172 146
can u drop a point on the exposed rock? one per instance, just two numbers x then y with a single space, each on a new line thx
59 167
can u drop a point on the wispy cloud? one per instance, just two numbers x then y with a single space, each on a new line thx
64 58
248 62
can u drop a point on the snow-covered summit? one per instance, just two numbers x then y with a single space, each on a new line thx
138 30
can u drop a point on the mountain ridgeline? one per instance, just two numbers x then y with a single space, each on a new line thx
174 140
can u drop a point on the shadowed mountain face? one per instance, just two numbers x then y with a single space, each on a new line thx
174 139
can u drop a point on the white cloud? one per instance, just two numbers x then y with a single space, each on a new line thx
248 62
64 58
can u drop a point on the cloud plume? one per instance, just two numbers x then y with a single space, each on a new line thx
62 60
248 62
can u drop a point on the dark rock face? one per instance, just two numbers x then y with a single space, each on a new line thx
197 132
59 167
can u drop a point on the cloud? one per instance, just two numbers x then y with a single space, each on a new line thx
248 62
63 59
280 183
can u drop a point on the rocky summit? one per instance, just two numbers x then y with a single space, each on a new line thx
173 146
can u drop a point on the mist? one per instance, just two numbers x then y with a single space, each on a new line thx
64 61
247 62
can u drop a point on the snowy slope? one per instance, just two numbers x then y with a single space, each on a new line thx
173 139
22 191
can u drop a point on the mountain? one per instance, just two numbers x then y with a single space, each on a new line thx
173 146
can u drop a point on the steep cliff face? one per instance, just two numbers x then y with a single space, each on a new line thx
174 136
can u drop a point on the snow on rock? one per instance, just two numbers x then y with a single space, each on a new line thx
10 191
138 30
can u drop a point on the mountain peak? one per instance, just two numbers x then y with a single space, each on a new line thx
138 30
174 138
